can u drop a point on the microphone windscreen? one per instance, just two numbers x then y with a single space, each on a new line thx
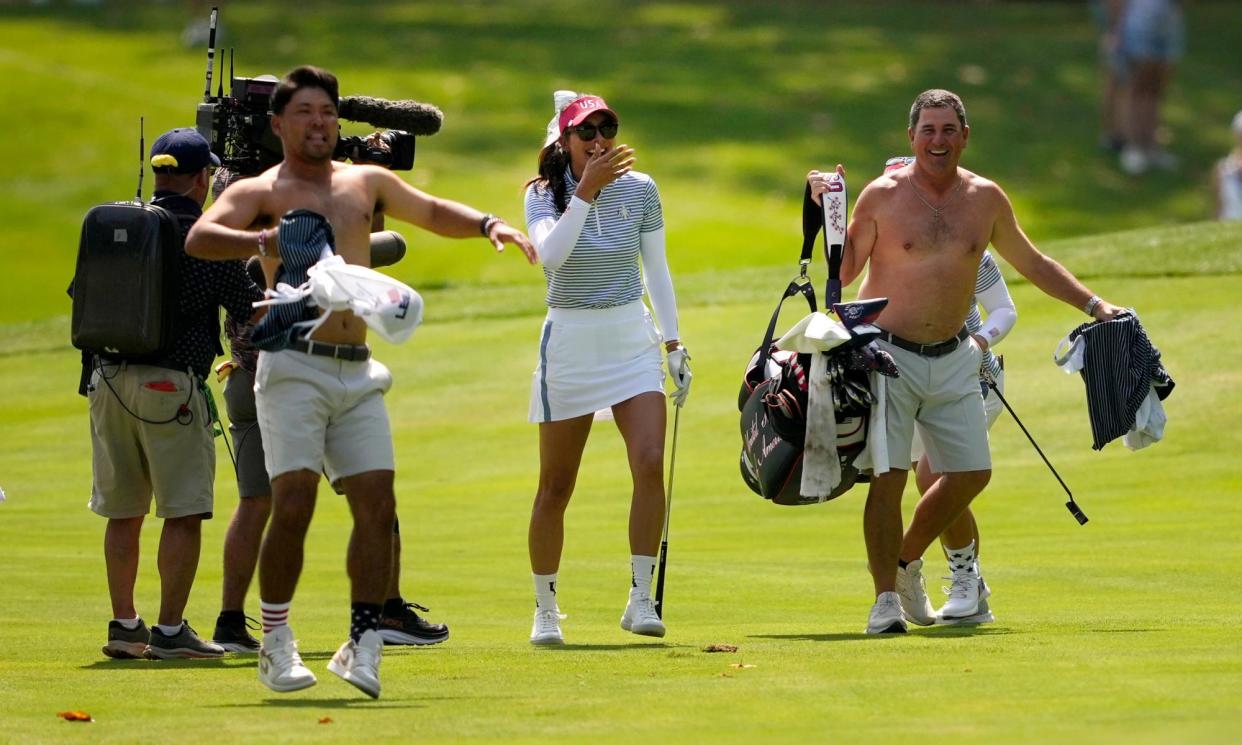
410 116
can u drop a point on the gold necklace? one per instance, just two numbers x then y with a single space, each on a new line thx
937 212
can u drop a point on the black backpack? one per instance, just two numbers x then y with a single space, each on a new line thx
126 281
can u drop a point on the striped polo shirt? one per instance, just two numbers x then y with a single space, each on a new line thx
602 270
989 275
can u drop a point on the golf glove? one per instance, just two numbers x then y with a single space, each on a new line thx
679 369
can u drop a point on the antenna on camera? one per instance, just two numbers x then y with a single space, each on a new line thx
211 51
142 146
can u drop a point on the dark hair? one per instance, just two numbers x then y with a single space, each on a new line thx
306 76
553 160
937 98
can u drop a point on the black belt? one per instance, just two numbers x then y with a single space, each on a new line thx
935 349
348 352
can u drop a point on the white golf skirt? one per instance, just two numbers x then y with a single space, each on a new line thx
590 359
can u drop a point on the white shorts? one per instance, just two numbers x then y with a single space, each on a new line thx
941 395
992 408
320 412
590 359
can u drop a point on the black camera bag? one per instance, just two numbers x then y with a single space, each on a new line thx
126 281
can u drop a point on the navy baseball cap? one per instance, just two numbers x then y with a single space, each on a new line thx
181 150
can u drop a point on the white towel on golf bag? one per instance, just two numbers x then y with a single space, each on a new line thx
390 307
874 457
821 468
817 332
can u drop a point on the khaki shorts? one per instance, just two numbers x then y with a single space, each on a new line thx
322 412
940 394
992 408
252 478
130 459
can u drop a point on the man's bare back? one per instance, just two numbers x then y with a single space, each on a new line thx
924 260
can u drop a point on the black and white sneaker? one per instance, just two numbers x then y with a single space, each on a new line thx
234 636
407 627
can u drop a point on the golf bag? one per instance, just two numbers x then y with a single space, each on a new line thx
128 270
773 399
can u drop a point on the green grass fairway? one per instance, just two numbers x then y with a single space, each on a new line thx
1122 631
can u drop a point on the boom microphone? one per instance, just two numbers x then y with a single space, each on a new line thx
405 115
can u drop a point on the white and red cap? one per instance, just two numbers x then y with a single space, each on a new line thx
570 109
580 108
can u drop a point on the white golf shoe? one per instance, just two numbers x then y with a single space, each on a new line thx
966 591
983 614
913 591
357 663
280 665
640 617
886 615
547 627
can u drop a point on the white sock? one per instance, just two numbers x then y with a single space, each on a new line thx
129 623
545 591
961 558
642 569
273 615
170 630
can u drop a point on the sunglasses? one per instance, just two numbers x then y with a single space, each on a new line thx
586 132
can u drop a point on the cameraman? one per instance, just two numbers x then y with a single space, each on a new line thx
151 425
400 623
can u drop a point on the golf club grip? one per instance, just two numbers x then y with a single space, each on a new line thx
659 592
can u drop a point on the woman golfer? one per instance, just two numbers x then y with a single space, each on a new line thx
594 221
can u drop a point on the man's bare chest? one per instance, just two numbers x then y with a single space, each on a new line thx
347 207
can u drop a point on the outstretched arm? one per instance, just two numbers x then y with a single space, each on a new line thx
443 216
1044 272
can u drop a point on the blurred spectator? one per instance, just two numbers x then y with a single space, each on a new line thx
1151 39
1228 178
1107 17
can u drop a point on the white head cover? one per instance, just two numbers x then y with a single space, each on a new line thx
390 307
560 100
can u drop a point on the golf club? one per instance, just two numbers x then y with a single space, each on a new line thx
668 504
1071 505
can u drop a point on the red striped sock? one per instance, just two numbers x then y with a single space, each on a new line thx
274 615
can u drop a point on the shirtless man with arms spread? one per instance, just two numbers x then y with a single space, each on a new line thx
320 400
924 228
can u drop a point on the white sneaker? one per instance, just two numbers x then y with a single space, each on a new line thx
913 591
966 591
547 627
358 662
1133 160
640 617
982 615
280 665
886 615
